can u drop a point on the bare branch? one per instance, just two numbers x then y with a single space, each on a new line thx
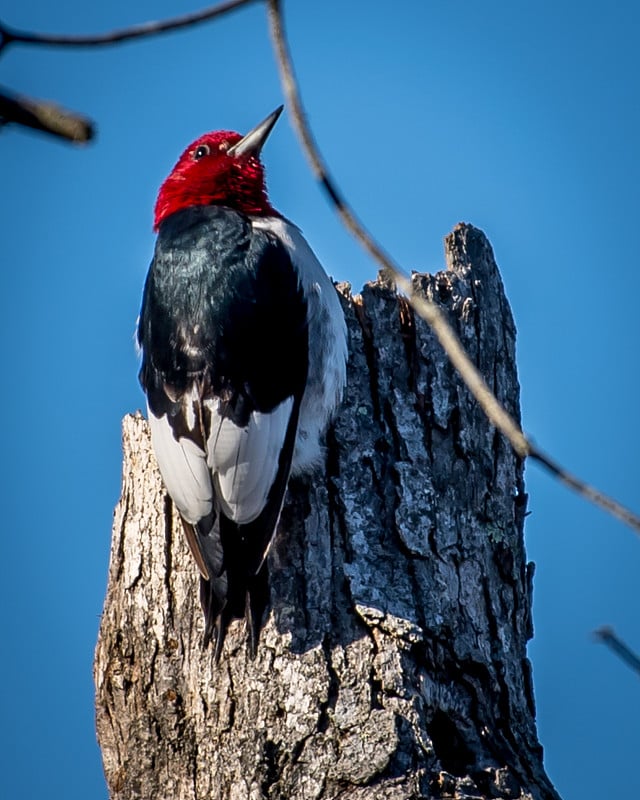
44 116
424 308
9 36
588 492
607 636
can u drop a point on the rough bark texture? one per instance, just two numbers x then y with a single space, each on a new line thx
393 663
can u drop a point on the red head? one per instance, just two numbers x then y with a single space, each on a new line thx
222 168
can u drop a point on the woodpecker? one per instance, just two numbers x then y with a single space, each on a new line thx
244 350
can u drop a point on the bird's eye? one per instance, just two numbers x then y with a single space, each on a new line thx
201 151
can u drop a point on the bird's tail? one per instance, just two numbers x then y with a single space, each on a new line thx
229 586
246 596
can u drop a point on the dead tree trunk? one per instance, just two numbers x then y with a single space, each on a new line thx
393 663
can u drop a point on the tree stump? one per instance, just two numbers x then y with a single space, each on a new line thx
393 662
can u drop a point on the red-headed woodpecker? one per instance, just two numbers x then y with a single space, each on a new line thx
243 363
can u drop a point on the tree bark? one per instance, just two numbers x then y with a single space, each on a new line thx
393 662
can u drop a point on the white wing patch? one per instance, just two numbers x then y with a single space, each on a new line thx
240 464
184 469
244 461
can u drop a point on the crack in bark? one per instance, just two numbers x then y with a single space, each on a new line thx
367 340
168 535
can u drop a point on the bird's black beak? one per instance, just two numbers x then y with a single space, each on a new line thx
252 143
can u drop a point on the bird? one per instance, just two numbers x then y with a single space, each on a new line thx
243 347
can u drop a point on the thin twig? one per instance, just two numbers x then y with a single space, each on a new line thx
423 307
44 116
588 492
9 35
607 636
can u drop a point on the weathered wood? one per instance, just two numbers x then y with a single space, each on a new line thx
393 664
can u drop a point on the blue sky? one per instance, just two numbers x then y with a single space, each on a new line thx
522 119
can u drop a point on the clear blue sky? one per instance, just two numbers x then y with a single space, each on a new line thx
521 118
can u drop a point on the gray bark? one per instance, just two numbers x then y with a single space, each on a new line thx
393 663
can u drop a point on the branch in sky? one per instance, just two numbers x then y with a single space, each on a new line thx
10 36
44 116
424 308
607 636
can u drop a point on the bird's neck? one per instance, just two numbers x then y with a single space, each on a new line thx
241 191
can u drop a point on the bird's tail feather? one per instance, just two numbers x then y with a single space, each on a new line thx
230 591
